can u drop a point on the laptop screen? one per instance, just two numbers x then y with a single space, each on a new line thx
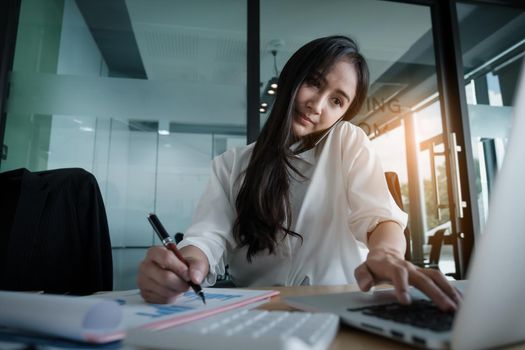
493 309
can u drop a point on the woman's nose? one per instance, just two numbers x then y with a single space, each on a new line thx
315 104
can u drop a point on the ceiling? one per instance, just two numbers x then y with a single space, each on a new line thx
201 45
208 35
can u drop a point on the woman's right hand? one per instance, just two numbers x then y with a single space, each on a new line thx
162 276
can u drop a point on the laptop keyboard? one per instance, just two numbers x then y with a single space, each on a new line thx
420 313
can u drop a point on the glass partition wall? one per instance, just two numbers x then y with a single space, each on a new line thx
144 93
141 93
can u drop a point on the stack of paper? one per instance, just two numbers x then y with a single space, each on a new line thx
86 319
105 317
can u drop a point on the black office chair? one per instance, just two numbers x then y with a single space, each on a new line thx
436 242
54 234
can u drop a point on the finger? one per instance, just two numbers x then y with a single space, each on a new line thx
198 264
441 281
399 278
396 272
151 296
166 260
152 276
197 269
424 283
153 292
364 277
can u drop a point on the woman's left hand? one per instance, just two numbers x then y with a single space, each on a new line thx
386 266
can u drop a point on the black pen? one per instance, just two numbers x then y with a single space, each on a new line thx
168 242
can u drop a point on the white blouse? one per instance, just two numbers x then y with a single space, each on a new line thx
343 197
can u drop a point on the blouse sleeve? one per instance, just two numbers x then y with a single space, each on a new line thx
211 228
369 199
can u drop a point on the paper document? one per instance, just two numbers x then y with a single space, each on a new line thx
187 307
85 319
105 317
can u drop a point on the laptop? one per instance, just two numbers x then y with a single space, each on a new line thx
492 312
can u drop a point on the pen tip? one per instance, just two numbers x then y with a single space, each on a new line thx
202 297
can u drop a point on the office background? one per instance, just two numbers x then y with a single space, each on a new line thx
144 93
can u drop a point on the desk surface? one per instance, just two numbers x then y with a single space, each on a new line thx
346 337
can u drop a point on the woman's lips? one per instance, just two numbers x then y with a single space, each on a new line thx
303 119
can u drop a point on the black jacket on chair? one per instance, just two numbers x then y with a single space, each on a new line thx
54 233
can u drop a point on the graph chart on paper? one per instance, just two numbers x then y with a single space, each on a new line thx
186 307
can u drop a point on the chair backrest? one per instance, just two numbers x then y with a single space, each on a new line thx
392 181
436 241
55 233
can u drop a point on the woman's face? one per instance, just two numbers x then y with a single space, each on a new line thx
323 100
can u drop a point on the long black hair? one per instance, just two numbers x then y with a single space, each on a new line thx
263 204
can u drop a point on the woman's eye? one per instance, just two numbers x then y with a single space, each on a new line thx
338 102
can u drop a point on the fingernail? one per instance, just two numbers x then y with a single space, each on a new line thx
197 276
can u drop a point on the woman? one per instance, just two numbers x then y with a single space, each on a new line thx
301 205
